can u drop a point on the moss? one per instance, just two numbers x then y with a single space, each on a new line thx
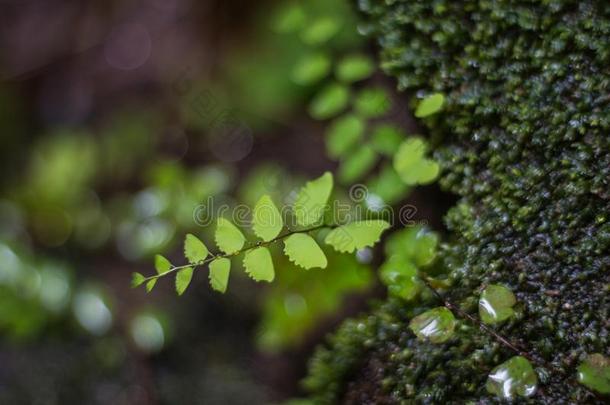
524 140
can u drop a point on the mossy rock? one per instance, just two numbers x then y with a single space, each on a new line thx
524 140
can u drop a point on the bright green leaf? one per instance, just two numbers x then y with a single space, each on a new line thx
266 219
183 279
194 249
229 238
354 67
356 235
357 164
430 105
303 250
312 200
162 264
372 102
311 68
137 279
320 31
330 101
343 134
150 284
436 325
219 274
258 264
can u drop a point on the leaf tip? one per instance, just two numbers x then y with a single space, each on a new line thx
137 279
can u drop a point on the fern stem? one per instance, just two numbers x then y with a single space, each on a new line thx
213 257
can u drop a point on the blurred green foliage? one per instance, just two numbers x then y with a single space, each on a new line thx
82 204
299 300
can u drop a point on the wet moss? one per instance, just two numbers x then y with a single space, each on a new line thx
524 140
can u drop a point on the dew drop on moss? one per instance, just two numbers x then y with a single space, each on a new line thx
496 304
435 325
511 378
594 373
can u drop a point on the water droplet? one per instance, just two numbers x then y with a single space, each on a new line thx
435 325
594 373
375 203
364 255
496 304
513 377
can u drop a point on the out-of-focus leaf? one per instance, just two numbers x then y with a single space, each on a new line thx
320 31
330 101
388 185
430 105
412 166
289 17
413 243
386 139
372 102
298 300
344 133
311 69
400 276
357 164
353 68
